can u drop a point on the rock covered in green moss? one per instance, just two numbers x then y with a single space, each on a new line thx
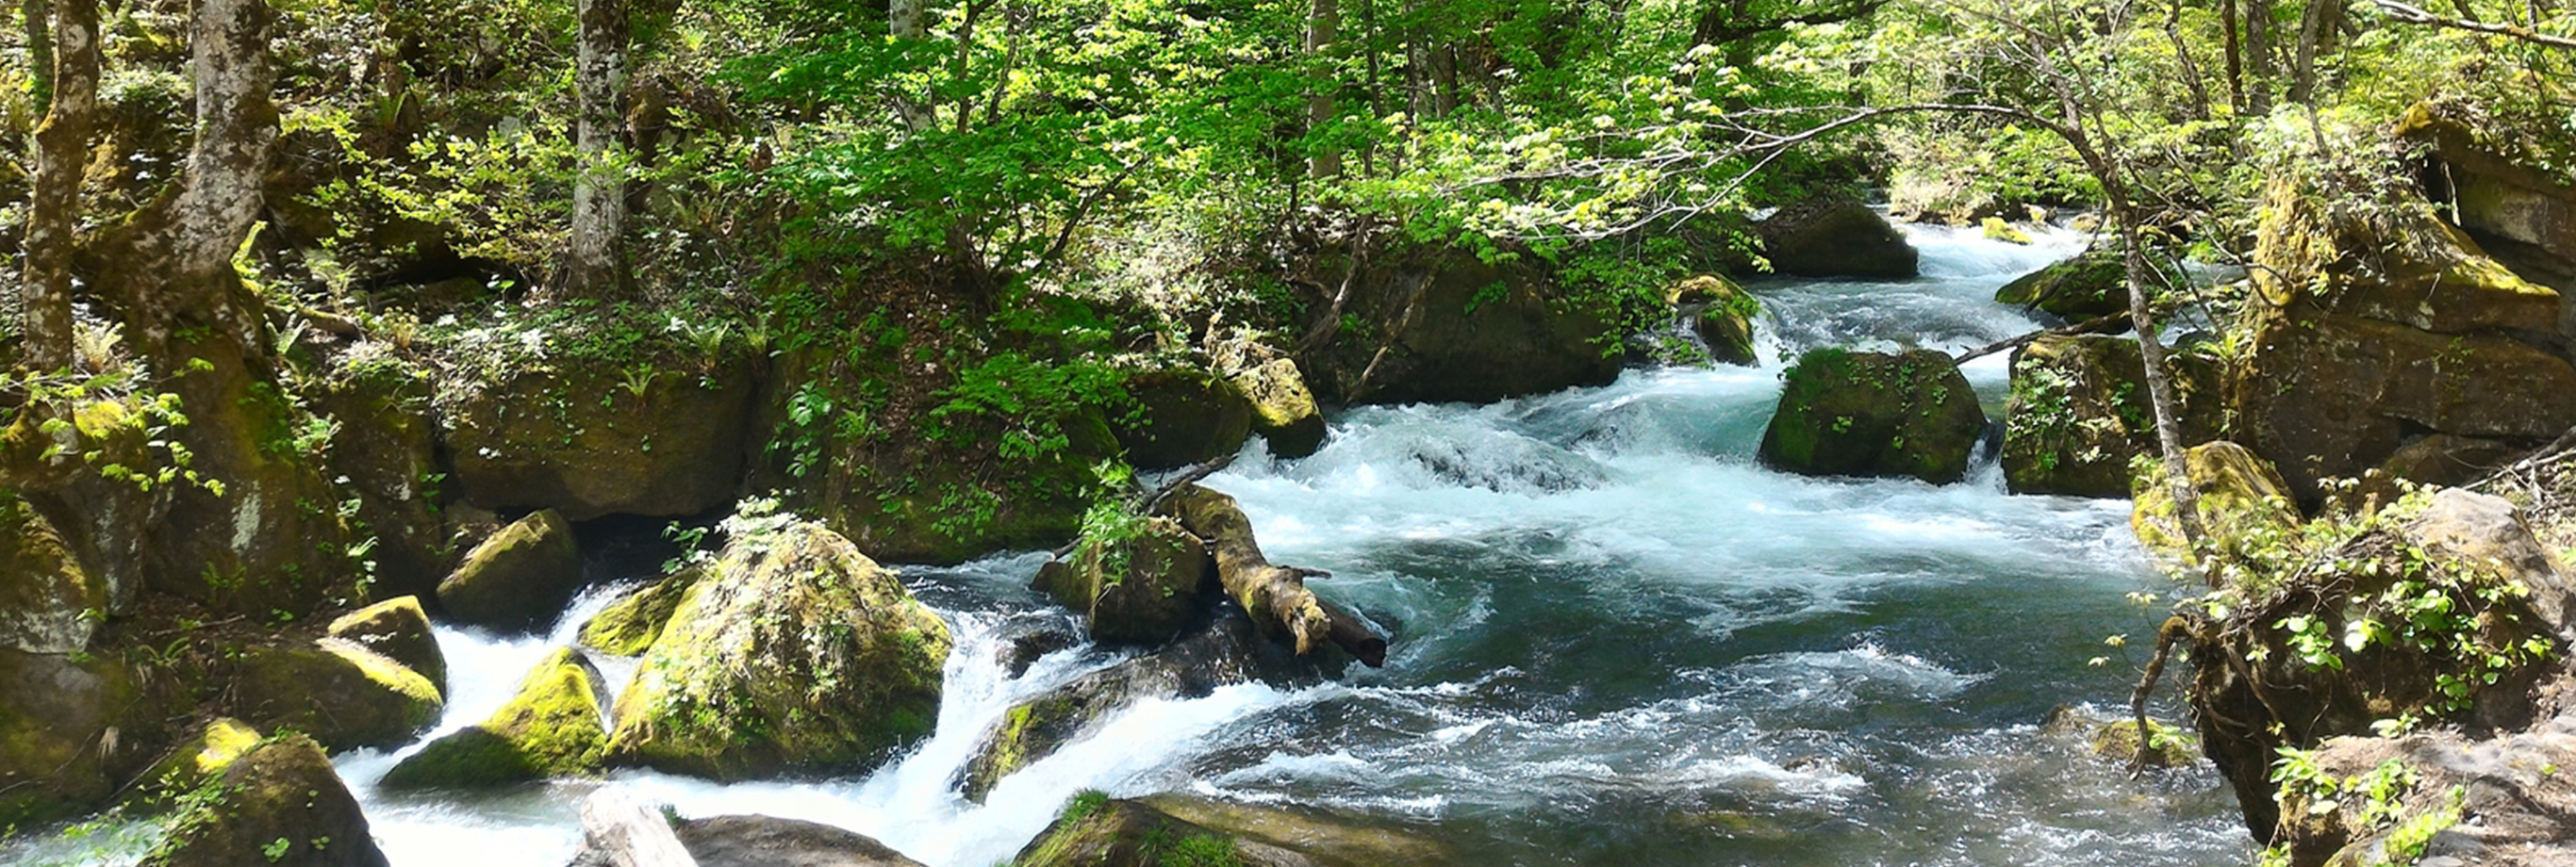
1328 838
1998 229
343 694
2116 740
54 712
794 653
1098 831
2079 413
1140 587
279 803
1183 416
628 626
48 602
397 629
1721 313
519 579
1283 410
1848 413
2242 499
384 449
1443 325
556 726
659 435
198 760
1835 236
2089 286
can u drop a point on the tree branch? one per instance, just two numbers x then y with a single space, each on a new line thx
2406 14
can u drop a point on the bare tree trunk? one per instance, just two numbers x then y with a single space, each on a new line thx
597 269
1323 29
2235 57
2303 63
40 52
903 21
2161 396
2258 57
53 203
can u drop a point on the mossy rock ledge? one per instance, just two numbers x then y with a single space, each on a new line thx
628 626
1142 589
341 693
1283 410
1183 416
279 803
519 579
601 439
554 727
397 629
2079 412
1098 831
794 654
1842 413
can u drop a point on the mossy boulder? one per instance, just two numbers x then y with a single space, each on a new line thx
1999 229
794 653
519 579
1721 313
1329 839
2242 500
1139 587
1183 416
1835 236
385 448
338 691
2079 413
768 841
200 759
1283 410
1848 413
48 602
555 727
1441 325
628 626
279 803
1225 651
2089 286
659 435
397 629
1099 831
55 714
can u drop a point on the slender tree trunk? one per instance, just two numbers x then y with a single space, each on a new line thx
53 203
1323 29
2190 68
597 268
2161 397
2258 57
40 52
2303 62
903 21
2235 57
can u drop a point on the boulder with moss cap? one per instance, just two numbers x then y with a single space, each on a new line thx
1721 313
554 727
1139 586
1848 413
202 757
628 626
2242 499
1283 410
343 694
520 578
398 630
794 653
280 803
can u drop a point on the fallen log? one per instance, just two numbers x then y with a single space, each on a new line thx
1275 596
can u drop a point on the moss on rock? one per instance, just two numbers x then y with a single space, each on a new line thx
200 759
628 626
341 693
2079 413
280 803
2089 286
2242 500
1721 313
554 727
661 434
48 602
1283 410
1096 831
1835 236
398 630
1138 587
795 653
519 579
54 713
1183 416
1875 414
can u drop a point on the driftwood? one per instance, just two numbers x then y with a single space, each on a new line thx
2098 325
1275 596
620 831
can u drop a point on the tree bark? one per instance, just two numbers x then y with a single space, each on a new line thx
1323 29
903 22
1275 596
54 202
2235 57
2303 62
37 15
596 265
2258 57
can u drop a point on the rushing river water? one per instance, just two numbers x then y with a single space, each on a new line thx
1621 641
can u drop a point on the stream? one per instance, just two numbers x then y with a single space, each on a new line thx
1620 641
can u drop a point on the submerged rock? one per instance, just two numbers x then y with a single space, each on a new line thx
1721 313
665 437
341 693
519 579
1848 413
765 841
2079 413
2089 286
1098 831
1283 410
1139 589
1183 416
628 626
279 803
554 727
2241 500
1835 236
2116 741
397 629
794 653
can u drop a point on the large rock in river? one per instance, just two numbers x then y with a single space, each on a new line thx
280 803
343 694
397 629
2079 413
1835 236
2242 500
554 727
1283 410
1140 586
519 579
1183 416
1098 831
766 841
794 653
1846 413
1721 313
630 625
659 436
1443 325
2094 284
